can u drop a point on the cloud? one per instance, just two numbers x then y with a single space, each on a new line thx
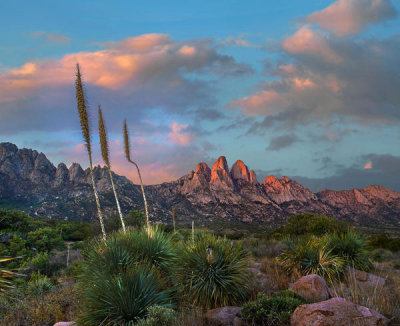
381 169
131 78
51 37
328 79
280 142
180 135
349 17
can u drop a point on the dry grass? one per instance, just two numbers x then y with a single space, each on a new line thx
46 310
383 298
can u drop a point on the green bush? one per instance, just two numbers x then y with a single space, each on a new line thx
311 257
275 310
39 284
351 247
41 263
213 273
384 241
45 239
135 218
381 255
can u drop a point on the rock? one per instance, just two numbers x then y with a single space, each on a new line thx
65 323
365 280
223 316
285 190
253 178
260 278
312 287
240 172
76 173
61 175
336 312
220 176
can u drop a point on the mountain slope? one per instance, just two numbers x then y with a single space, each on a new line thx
28 180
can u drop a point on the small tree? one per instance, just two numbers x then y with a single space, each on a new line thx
106 159
84 119
128 157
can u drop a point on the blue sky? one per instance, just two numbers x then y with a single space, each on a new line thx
307 89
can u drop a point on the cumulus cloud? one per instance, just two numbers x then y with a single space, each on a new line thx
280 142
179 134
349 17
329 79
130 77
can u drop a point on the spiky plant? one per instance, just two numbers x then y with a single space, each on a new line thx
128 157
351 247
213 273
106 159
84 119
311 257
6 277
124 276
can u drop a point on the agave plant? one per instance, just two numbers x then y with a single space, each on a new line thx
128 157
311 257
106 159
213 273
84 120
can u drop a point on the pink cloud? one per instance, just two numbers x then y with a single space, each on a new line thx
348 17
179 134
368 165
310 42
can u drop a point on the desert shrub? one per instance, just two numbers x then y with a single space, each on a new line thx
135 218
41 263
45 239
384 241
312 257
159 316
351 247
125 275
74 269
120 298
213 273
380 254
39 284
272 311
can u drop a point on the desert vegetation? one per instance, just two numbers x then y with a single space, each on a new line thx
163 277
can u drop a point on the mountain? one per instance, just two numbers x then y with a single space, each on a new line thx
29 181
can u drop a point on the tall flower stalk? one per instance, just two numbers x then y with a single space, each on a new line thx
106 159
128 157
84 119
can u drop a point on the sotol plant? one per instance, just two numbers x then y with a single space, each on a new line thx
128 157
106 159
84 119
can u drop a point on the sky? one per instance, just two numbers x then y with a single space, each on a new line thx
309 89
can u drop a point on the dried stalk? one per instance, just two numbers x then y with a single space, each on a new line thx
105 155
84 119
128 157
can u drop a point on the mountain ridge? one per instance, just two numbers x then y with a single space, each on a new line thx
33 183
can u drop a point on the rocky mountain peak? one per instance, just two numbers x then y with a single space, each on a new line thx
7 150
220 175
240 171
75 172
253 177
202 170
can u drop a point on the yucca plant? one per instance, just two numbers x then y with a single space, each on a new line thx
213 273
124 276
106 159
311 257
351 247
84 120
128 157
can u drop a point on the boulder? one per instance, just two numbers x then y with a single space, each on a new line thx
65 323
312 287
225 316
364 279
336 312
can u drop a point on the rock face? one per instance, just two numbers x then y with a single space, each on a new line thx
336 312
311 287
33 183
224 316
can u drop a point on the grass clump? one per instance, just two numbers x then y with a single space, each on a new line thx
213 273
275 310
